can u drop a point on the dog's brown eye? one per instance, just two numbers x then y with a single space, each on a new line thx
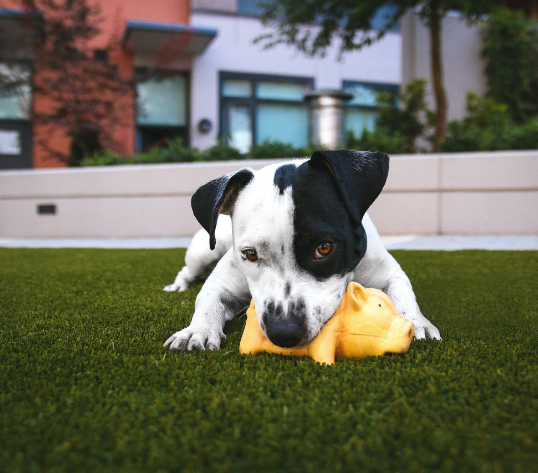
251 255
323 249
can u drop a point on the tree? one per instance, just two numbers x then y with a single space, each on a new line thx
76 88
312 25
398 129
510 51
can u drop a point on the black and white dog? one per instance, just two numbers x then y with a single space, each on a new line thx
298 234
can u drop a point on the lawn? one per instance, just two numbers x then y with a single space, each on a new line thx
85 384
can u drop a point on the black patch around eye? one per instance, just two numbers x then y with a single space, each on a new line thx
321 215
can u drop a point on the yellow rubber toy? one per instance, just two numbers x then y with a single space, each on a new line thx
365 324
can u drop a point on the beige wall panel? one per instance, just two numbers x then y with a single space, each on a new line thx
406 213
99 218
490 213
413 173
485 171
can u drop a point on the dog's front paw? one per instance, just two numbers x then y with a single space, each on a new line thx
182 286
182 282
427 331
190 339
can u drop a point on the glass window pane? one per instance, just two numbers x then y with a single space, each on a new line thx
240 126
284 123
237 88
10 142
249 7
15 92
358 120
162 102
281 91
362 95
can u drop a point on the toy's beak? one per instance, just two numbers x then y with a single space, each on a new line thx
399 335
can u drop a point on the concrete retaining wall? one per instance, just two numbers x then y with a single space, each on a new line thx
466 194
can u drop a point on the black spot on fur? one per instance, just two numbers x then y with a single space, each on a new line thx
287 290
284 176
264 245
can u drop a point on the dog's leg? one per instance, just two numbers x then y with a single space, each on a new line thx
399 289
199 259
380 270
224 293
393 281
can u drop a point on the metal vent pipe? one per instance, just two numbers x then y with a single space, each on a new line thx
327 119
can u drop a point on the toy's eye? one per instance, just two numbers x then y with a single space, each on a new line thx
322 250
251 255
379 305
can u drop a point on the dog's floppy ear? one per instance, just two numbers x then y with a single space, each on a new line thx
218 197
359 176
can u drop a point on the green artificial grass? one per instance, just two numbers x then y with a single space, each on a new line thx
85 384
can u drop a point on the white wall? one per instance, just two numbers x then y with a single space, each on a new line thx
232 50
463 67
462 194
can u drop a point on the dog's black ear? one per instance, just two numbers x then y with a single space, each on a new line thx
218 197
359 176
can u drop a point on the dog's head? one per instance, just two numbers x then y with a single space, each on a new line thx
297 234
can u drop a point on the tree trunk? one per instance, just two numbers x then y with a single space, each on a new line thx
437 77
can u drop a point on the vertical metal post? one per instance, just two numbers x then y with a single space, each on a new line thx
327 119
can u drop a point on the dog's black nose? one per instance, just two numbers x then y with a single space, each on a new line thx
285 333
288 330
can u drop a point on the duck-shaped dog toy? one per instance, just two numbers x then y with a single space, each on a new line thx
365 324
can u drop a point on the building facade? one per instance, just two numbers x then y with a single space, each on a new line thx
210 83
252 94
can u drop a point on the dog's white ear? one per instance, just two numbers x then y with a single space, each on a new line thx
359 176
218 197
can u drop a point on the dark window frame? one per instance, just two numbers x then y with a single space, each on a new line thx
144 74
252 101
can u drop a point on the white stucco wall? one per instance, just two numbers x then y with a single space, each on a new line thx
233 51
463 66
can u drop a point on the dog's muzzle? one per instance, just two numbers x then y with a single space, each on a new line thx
285 330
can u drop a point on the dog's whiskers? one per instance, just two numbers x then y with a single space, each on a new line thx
242 311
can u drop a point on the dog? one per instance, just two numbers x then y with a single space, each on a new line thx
291 237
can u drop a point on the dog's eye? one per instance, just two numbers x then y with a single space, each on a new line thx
322 250
251 255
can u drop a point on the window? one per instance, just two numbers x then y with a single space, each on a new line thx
15 109
162 110
15 92
361 111
249 7
255 109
